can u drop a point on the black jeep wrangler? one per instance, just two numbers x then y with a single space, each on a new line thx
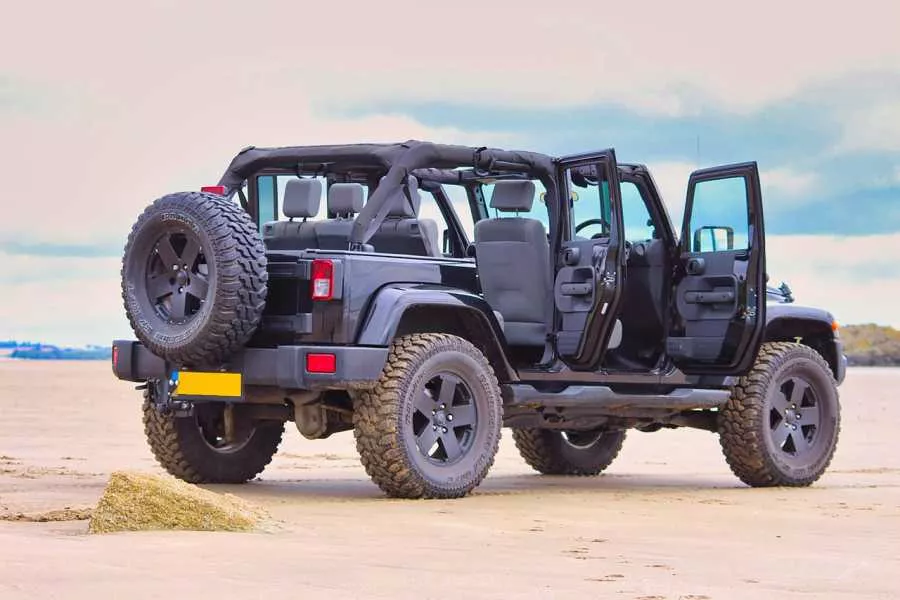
443 292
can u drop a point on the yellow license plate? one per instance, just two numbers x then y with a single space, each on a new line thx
195 383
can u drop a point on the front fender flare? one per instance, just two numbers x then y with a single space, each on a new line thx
790 321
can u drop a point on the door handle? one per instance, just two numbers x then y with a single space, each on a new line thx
708 297
576 289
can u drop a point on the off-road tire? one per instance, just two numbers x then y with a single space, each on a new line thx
235 297
384 418
549 452
179 446
747 425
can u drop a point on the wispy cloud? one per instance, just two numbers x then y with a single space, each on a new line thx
872 129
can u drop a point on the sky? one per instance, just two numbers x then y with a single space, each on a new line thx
109 105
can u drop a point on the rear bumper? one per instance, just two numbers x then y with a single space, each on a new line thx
283 367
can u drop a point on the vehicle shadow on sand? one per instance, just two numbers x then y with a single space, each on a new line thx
298 490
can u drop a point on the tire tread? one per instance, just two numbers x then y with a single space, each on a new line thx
180 457
740 434
377 416
242 278
541 449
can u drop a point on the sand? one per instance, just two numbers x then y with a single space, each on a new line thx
135 501
668 521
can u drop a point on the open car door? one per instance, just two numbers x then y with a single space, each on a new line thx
589 260
720 287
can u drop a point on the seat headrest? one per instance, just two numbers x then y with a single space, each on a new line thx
345 198
302 198
513 196
400 204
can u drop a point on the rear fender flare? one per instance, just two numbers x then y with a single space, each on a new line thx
390 304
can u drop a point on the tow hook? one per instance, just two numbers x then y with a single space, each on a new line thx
161 391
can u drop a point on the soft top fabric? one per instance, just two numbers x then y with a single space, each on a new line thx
396 161
302 198
345 198
513 196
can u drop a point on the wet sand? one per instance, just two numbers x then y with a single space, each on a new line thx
667 521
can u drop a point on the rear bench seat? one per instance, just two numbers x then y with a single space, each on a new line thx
402 232
302 198
345 200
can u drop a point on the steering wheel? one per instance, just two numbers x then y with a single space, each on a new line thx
589 222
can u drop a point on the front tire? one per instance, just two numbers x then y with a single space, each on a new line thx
193 448
781 425
552 452
430 427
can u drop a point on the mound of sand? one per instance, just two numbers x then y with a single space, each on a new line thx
140 502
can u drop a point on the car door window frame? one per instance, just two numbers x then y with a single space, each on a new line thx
582 326
704 331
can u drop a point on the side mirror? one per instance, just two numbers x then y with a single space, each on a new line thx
445 241
713 238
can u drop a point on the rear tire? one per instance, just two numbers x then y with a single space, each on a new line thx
553 452
430 427
194 278
781 425
188 448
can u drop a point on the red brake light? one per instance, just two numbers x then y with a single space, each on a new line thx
322 279
213 189
321 363
115 356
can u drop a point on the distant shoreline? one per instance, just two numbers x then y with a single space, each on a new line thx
41 351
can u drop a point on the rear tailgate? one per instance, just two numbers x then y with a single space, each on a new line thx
290 307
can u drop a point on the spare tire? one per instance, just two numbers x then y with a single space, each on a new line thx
194 278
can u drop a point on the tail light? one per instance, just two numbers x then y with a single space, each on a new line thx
321 363
213 189
322 279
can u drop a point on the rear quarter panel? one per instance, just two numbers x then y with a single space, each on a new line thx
364 275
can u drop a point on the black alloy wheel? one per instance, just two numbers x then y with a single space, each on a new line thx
177 278
445 419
